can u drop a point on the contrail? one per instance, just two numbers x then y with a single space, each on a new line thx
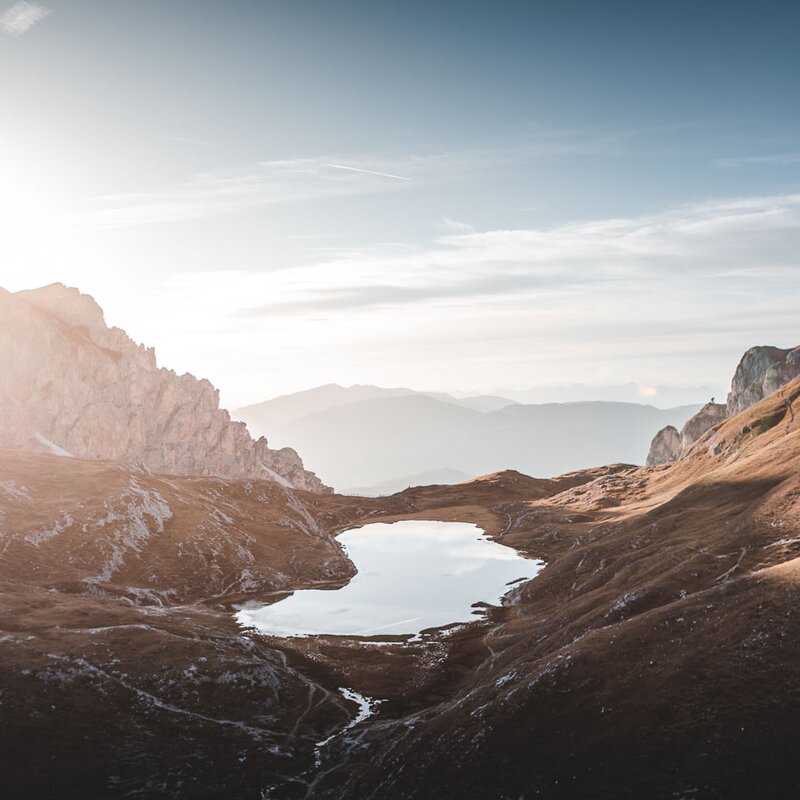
369 172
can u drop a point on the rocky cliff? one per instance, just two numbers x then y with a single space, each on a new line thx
668 445
71 385
665 447
761 371
669 595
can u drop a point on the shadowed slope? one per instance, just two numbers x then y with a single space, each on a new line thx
664 627
657 654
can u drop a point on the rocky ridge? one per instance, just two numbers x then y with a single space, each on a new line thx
71 385
669 595
664 627
761 371
668 445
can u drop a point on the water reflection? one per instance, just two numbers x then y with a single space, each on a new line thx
412 575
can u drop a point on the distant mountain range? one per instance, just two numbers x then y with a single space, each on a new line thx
371 440
658 395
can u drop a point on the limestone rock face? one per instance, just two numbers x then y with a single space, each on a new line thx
665 447
761 371
668 445
707 417
71 385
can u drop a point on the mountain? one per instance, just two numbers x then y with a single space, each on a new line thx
70 385
760 372
280 410
669 444
659 395
437 476
121 668
387 435
478 402
665 627
275 413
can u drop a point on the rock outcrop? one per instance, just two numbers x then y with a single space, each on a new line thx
665 447
761 371
705 419
71 385
668 445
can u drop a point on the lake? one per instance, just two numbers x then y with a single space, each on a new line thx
412 575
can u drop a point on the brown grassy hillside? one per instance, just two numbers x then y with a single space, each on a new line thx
656 656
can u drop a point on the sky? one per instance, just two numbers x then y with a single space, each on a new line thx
456 196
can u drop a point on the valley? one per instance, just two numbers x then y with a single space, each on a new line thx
399 400
646 610
647 603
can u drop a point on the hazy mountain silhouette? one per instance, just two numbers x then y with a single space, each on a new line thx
368 438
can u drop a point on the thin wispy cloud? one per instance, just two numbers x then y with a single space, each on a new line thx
21 17
226 192
368 172
292 180
680 292
455 226
723 246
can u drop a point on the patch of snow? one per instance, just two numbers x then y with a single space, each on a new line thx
247 581
366 708
151 595
622 602
39 537
52 446
219 514
504 679
279 479
300 509
784 542
144 515
14 490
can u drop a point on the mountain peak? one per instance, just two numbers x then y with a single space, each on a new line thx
73 385
67 303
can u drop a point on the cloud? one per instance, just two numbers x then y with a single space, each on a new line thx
294 180
455 226
777 159
674 296
723 247
21 17
224 192
368 172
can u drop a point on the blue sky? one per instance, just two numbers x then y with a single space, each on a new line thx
448 195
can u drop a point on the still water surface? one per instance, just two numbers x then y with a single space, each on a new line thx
412 575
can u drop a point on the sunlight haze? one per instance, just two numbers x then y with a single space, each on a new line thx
275 198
